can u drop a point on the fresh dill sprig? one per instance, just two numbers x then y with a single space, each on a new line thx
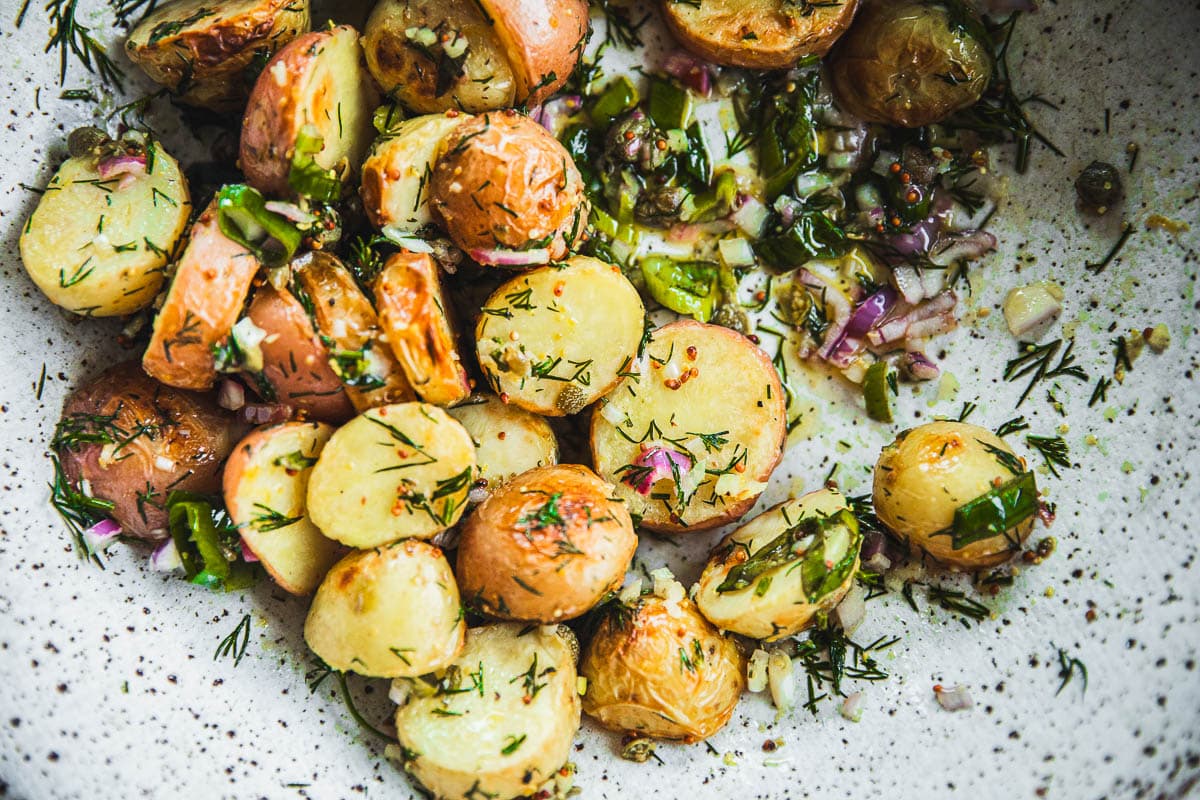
317 675
829 657
235 643
1035 360
78 510
1067 667
1053 450
619 27
73 38
1100 393
1012 426
1099 266
124 10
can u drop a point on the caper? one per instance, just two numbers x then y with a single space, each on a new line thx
1098 187
86 140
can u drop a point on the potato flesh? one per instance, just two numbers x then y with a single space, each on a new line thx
97 249
555 339
393 472
362 618
508 440
266 482
763 34
339 99
396 175
508 737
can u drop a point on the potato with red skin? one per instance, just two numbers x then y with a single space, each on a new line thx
544 39
146 440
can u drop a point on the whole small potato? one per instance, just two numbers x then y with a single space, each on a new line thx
546 546
507 192
929 473
911 63
658 668
135 440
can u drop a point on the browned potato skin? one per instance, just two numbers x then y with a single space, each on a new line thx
204 301
505 182
210 60
187 428
295 361
543 38
413 313
720 30
503 541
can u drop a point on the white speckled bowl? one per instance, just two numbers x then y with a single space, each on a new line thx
110 688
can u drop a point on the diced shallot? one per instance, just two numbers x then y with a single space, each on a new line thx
917 366
126 165
165 557
511 258
691 71
954 699
231 395
850 612
654 464
852 706
290 212
98 537
248 555
919 322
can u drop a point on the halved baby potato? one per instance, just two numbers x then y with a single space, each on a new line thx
388 612
98 246
204 301
758 34
393 472
349 327
776 574
544 40
265 485
414 316
508 440
692 434
546 546
397 173
500 721
317 80
555 339
206 52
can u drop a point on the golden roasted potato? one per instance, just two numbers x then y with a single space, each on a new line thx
657 668
544 40
416 320
507 192
499 722
347 322
204 301
388 612
265 483
98 245
396 175
546 546
694 431
931 472
295 362
393 472
538 339
776 574
205 52
317 81
134 440
508 440
758 34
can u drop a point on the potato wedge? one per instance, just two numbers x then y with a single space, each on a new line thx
265 485
349 326
538 338
388 612
508 440
758 34
544 40
500 721
316 80
775 575
204 301
392 472
546 546
98 247
396 175
205 52
414 316
295 360
705 400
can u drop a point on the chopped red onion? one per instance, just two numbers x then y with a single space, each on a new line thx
248 555
878 553
695 74
1045 513
918 367
663 462
231 395
870 312
837 348
127 165
98 537
851 707
921 321
290 211
549 114
165 557
265 413
501 257
953 699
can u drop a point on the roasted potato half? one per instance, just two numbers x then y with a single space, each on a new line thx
205 299
546 546
499 721
758 34
317 80
392 472
98 242
396 175
206 52
694 431
414 316
134 440
347 323
773 576
507 192
265 485
388 612
508 440
538 338
930 473
544 40
656 667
